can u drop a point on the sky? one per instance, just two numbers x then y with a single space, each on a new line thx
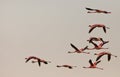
45 28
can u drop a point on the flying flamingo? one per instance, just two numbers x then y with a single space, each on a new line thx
91 39
93 65
104 53
78 50
99 26
67 66
98 46
38 60
97 11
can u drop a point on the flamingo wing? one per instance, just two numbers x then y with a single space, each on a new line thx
70 67
28 60
73 46
97 62
98 57
85 48
104 29
91 29
90 61
101 39
45 62
109 57
88 8
105 12
105 42
39 63
94 44
91 39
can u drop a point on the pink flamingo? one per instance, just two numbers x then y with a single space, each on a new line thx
67 66
38 60
93 65
78 50
98 46
104 53
99 26
97 11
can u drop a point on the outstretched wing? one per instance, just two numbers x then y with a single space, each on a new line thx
88 8
39 63
85 48
98 57
105 42
109 57
97 62
104 29
101 39
91 29
94 44
90 61
92 38
73 46
28 60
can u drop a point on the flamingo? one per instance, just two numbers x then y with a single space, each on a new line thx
98 46
95 39
67 66
104 53
99 26
93 65
78 50
38 60
97 11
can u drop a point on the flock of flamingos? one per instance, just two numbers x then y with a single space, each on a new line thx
97 42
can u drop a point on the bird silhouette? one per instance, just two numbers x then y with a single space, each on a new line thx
99 26
67 66
78 50
96 11
93 65
99 55
37 60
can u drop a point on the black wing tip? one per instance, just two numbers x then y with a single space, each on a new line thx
90 60
97 59
88 8
46 62
71 44
89 32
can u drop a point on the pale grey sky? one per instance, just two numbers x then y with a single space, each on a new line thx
45 28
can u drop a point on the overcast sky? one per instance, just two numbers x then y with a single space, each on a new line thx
45 28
